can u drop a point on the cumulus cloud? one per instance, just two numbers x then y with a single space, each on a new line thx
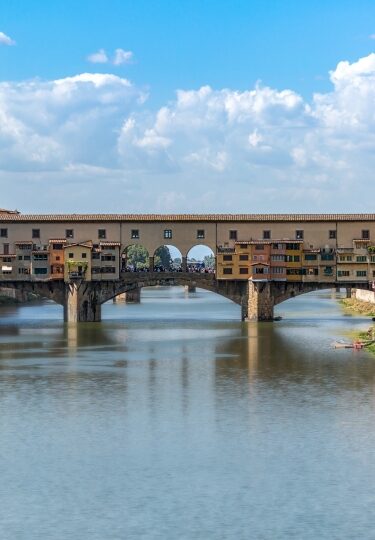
208 150
122 57
99 57
6 40
119 57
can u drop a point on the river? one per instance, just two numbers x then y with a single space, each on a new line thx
173 420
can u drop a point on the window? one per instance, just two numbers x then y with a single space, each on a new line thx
372 258
266 235
40 271
310 257
71 255
227 257
84 255
40 256
69 233
102 234
365 234
227 271
58 258
35 233
361 273
332 234
20 257
343 273
278 258
232 235
293 247
259 247
27 257
244 270
244 257
327 256
4 233
167 233
243 246
361 258
135 233
200 233
6 249
96 255
278 270
299 234
57 246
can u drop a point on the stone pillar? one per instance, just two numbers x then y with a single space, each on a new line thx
81 303
151 264
190 288
348 292
184 264
260 301
133 296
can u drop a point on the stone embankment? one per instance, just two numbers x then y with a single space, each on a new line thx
362 303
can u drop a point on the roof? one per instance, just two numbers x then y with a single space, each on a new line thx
108 244
87 244
38 218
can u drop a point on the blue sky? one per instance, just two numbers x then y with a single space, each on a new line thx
132 133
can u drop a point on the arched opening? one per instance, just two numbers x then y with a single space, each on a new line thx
201 259
135 258
167 258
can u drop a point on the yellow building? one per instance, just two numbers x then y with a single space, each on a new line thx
77 261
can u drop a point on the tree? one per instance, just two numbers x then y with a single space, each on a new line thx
162 257
209 261
137 256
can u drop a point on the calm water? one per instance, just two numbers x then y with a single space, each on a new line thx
172 420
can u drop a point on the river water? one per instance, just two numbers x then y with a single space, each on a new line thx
173 420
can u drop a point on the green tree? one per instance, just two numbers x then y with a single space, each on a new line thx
209 261
163 257
137 256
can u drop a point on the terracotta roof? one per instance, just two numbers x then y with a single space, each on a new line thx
38 218
107 244
28 242
57 241
87 244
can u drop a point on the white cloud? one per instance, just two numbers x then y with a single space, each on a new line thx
6 40
99 57
208 150
122 57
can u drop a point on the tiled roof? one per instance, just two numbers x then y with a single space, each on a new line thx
57 241
107 244
38 218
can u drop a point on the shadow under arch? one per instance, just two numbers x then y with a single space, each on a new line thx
283 291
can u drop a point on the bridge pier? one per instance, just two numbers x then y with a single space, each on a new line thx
81 303
260 301
133 296
191 288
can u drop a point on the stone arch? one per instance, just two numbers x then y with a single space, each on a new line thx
167 258
197 258
135 258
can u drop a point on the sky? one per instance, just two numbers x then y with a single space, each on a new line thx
200 106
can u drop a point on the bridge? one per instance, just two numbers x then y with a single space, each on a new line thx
79 261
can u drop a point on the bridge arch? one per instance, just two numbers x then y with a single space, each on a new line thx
203 255
134 258
167 257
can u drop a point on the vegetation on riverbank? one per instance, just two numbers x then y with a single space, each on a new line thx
367 309
358 306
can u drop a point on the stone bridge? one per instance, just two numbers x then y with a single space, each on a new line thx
82 300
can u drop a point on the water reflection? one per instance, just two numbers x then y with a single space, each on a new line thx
172 419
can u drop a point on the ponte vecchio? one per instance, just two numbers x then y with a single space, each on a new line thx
79 260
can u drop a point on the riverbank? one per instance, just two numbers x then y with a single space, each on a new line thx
359 307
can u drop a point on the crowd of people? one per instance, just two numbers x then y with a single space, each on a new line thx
199 268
